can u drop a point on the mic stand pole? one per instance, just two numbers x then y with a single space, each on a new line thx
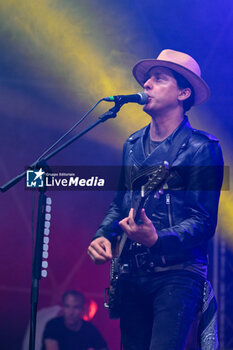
36 268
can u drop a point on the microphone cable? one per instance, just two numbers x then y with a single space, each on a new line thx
69 131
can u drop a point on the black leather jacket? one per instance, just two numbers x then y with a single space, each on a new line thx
185 216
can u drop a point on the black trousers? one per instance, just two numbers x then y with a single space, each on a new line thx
157 310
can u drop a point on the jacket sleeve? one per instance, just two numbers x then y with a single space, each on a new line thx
109 228
204 181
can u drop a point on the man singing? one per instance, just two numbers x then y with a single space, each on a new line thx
162 291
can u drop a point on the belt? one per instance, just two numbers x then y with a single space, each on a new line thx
145 263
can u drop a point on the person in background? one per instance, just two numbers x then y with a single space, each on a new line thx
70 331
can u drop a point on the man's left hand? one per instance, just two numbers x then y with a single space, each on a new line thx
144 233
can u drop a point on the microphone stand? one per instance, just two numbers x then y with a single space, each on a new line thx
37 258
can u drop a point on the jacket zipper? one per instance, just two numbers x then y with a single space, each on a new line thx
168 202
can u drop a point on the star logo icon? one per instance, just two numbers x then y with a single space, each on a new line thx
35 178
39 174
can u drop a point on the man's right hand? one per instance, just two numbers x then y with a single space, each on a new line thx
100 250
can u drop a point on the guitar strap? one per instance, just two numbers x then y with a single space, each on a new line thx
179 141
166 151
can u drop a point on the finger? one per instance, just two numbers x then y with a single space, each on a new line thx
123 223
97 246
91 256
106 245
131 213
125 226
131 218
144 217
95 256
98 261
107 248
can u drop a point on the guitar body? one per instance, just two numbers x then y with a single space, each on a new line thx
113 292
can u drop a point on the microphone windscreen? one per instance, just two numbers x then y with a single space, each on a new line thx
143 98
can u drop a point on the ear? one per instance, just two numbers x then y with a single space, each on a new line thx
184 94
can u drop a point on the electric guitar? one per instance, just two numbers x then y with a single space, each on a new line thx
149 180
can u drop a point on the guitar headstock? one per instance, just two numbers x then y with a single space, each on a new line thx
150 180
156 180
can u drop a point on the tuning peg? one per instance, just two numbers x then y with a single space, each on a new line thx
165 186
157 195
161 191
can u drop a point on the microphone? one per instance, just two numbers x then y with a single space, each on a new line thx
140 97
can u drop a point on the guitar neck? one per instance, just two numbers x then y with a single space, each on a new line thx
138 206
137 210
154 183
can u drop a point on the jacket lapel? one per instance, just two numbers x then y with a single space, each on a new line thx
164 151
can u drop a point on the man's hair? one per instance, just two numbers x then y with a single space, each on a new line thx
183 83
74 294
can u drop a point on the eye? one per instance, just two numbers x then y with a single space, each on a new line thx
147 77
158 77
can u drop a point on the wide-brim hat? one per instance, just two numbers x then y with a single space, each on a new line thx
181 63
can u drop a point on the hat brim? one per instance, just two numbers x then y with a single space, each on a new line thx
201 89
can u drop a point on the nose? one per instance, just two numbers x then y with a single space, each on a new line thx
147 84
